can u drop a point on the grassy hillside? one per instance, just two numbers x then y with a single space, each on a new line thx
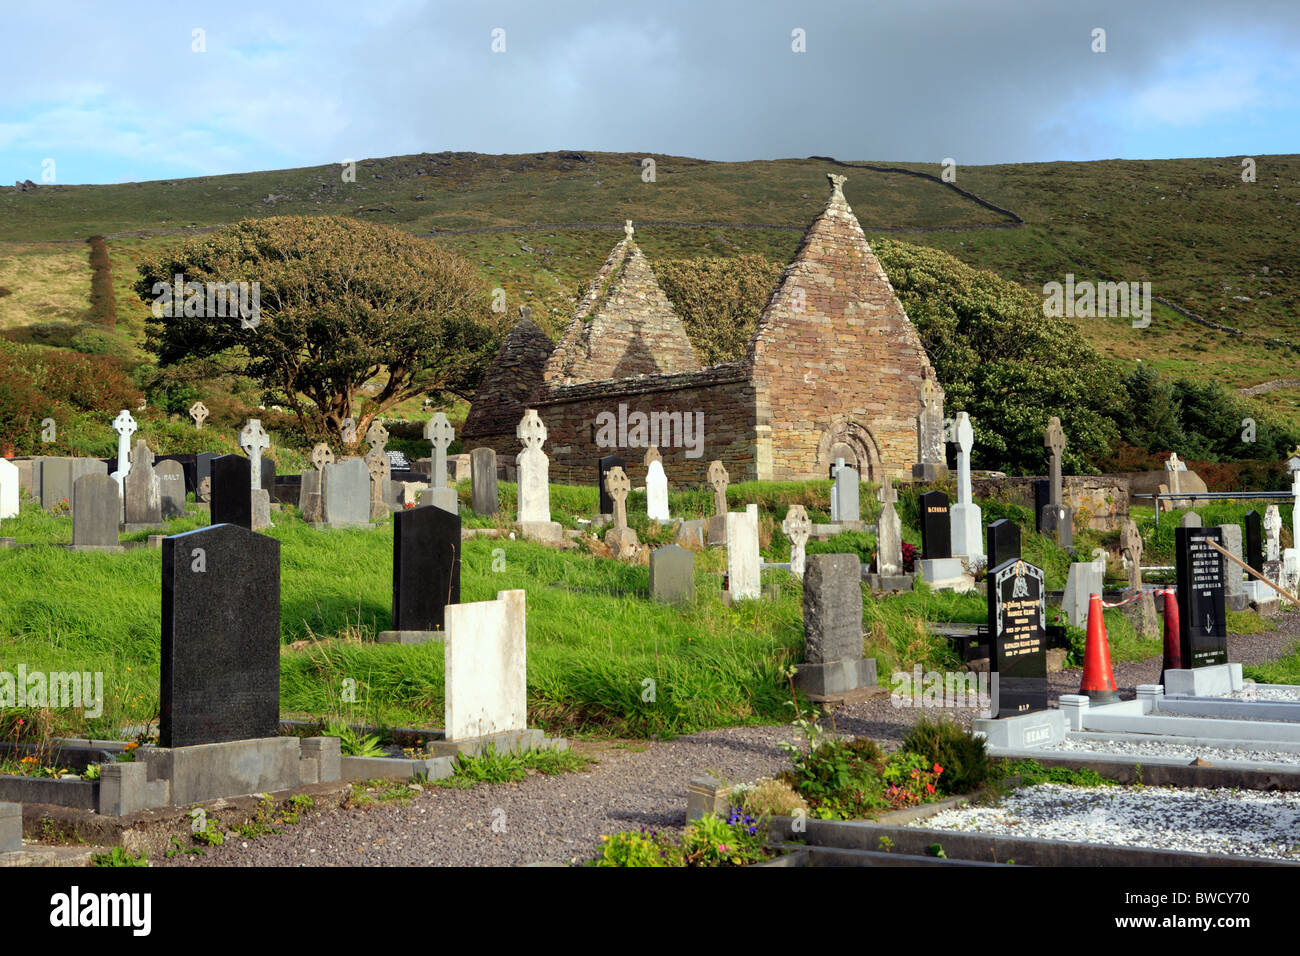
539 226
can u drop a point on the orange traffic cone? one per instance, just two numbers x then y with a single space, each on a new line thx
1173 642
1098 678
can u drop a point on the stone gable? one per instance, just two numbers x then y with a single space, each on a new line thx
512 381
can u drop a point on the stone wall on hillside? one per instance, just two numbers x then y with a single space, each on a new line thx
1100 502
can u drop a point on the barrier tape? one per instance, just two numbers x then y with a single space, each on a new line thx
1154 592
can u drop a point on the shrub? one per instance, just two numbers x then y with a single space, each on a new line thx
962 755
770 798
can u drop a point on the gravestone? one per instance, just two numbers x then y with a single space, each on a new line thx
832 616
889 531
845 502
125 427
254 440
603 468
485 667
1042 498
620 539
94 524
426 572
930 464
1202 618
220 671
203 469
743 560
672 575
345 493
439 433
656 486
189 469
936 526
1254 541
967 539
56 483
232 498
199 412
143 504
1272 534
1082 581
1235 597
1130 543
378 472
1057 520
1190 520
483 476
171 488
9 490
1142 612
310 502
1003 542
1018 638
534 492
718 480
797 527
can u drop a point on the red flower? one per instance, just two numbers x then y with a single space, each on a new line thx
938 769
930 787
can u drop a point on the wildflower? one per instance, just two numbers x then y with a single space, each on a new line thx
930 787
131 746
724 849
938 769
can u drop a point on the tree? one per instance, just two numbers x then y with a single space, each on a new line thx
719 300
340 302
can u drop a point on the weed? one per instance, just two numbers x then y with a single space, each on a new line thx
119 857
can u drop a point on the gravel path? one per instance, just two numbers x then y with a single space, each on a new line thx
634 784
1233 822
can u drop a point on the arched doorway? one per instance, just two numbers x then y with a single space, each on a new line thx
854 443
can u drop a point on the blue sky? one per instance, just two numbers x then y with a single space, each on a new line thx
112 92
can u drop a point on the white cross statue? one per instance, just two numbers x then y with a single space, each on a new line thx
125 427
1295 511
439 433
253 439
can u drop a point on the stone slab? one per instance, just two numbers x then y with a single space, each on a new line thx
832 608
835 677
228 769
1039 728
1217 680
11 827
485 667
345 493
672 575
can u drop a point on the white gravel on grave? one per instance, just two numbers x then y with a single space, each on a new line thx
1236 823
1190 752
1261 693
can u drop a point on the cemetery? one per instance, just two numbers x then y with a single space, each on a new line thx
237 613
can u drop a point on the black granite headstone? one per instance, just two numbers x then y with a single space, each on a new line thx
426 567
288 489
1003 542
220 636
1202 617
1255 541
606 463
936 529
232 502
1017 632
202 467
951 451
1042 498
268 474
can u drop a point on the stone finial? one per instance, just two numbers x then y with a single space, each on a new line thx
627 229
438 431
531 430
124 424
321 455
1054 437
254 439
837 187
652 454
887 494
376 436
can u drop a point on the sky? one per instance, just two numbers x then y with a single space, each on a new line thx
120 91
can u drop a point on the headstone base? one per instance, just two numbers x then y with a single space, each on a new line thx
261 509
444 498
108 548
1260 593
409 637
1237 602
946 574
890 582
835 677
131 527
622 541
1038 728
929 472
547 532
1217 680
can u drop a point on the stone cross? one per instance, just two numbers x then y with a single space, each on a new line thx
1130 543
837 186
887 494
531 430
929 425
253 439
1054 441
199 412
1174 466
965 440
125 427
377 437
321 456
889 531
1272 533
627 229
439 432
1295 510
718 481
652 454
797 528
617 486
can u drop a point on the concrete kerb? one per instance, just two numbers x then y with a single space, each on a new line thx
1166 771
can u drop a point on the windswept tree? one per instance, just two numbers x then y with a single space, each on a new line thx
339 303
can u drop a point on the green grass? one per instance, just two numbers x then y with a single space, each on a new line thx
511 767
1284 670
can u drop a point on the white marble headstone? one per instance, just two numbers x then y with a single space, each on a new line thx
8 489
485 667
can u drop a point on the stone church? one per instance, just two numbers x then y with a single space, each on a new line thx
834 369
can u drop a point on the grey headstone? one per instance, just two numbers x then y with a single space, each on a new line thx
672 575
483 475
220 670
56 482
94 523
1234 585
1190 520
1083 580
80 468
309 499
345 493
832 608
847 490
171 484
143 494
